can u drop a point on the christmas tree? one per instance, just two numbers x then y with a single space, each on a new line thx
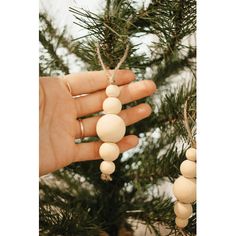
74 200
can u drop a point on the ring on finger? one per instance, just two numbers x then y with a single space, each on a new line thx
81 128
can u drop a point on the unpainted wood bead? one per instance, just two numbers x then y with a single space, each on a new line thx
182 210
184 189
188 169
112 105
110 128
107 167
181 223
112 91
191 154
109 151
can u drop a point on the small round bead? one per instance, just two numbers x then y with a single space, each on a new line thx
181 223
110 128
191 154
188 169
112 105
184 189
109 151
182 210
107 167
112 91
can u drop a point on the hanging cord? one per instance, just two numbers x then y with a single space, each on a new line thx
186 124
193 143
182 232
110 76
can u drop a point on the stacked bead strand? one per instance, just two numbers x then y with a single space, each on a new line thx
184 189
110 129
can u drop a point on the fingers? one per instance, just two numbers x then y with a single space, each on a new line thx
90 151
88 82
130 116
93 102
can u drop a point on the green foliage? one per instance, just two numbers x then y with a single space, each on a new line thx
113 31
73 200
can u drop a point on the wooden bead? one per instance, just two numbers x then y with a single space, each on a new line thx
191 154
181 223
182 210
110 128
185 189
112 91
109 151
188 169
112 105
107 167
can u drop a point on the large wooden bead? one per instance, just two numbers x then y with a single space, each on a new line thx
182 210
107 167
188 169
191 154
112 91
109 151
181 223
110 128
112 105
185 189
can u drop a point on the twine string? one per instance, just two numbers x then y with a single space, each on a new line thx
110 76
186 124
182 232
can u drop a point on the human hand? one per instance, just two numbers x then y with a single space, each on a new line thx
59 113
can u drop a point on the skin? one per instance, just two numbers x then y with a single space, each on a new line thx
59 113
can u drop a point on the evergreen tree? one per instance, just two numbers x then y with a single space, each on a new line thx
74 200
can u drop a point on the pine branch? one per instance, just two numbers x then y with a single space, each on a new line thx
57 60
171 111
111 31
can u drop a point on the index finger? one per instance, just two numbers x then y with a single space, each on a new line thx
92 81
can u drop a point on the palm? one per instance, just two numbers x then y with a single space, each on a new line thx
59 113
59 123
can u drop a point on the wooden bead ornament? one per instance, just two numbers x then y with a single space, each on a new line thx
112 91
191 154
107 167
109 151
188 169
112 105
181 223
110 127
182 210
185 189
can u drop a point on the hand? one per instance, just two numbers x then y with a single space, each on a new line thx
59 113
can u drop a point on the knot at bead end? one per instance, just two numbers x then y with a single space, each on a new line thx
106 177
